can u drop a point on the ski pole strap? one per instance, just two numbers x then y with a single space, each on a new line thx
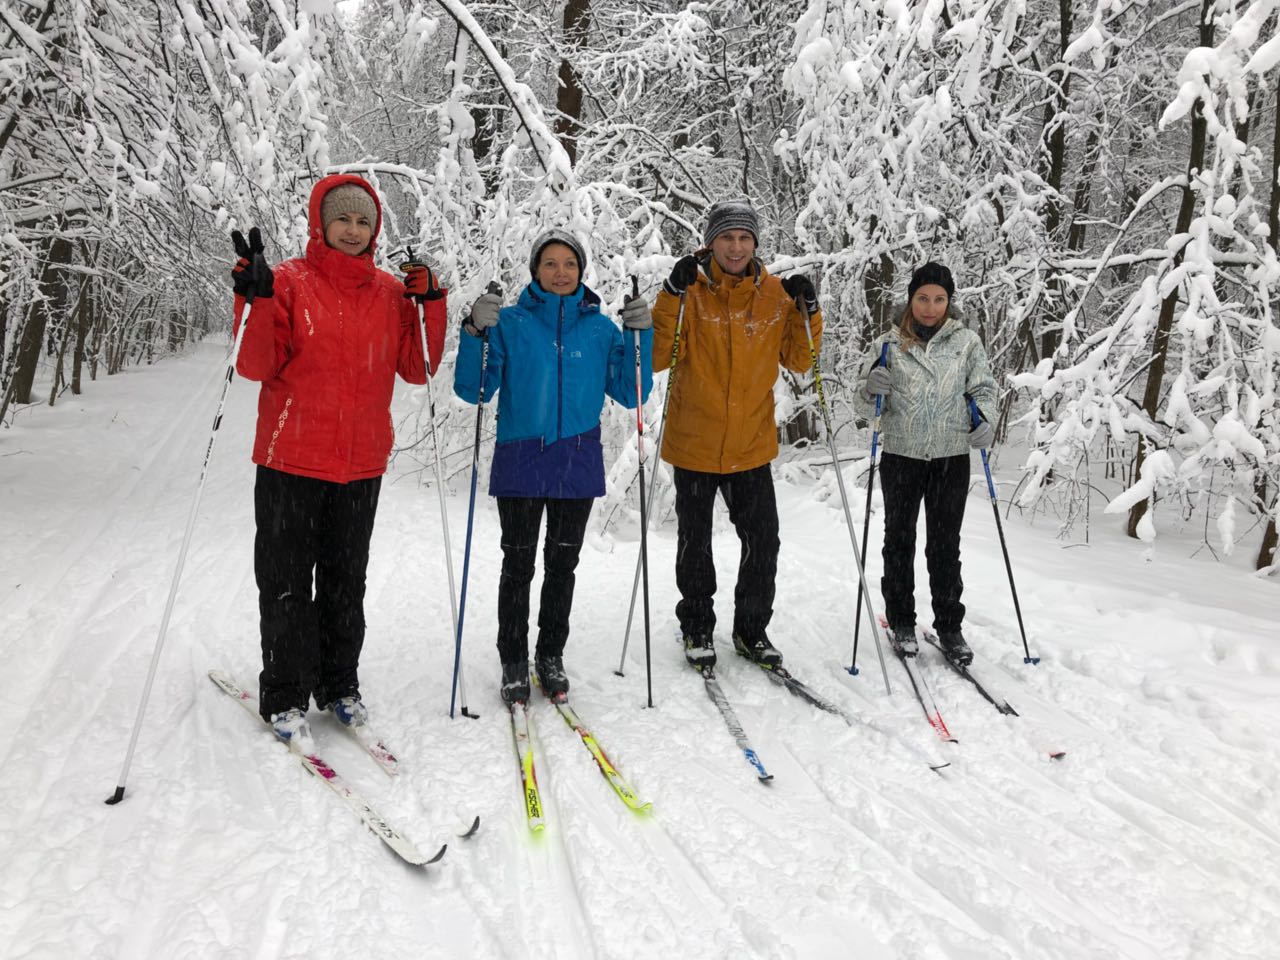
975 418
882 362
975 415
813 360
411 262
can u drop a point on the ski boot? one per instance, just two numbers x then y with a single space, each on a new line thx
699 650
350 711
551 677
758 649
956 650
904 640
515 682
292 727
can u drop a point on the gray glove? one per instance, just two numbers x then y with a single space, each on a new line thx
879 382
636 315
981 436
484 314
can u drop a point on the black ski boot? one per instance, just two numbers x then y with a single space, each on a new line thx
955 648
515 682
758 649
699 650
551 677
904 640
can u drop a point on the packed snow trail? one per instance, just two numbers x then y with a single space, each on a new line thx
1156 837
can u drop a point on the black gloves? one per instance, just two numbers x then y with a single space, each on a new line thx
251 277
800 287
682 274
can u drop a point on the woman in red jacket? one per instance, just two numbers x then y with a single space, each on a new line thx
326 335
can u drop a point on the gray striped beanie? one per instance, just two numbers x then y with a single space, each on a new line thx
731 215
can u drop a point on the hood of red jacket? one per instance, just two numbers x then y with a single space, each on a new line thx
326 184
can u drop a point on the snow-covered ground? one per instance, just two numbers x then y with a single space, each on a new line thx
1158 836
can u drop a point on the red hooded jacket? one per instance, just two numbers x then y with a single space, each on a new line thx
327 347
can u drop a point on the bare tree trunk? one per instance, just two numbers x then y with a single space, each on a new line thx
1054 162
577 21
99 331
57 367
51 298
1160 346
85 317
74 320
1267 552
877 290
4 330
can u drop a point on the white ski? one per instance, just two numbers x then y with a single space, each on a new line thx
319 768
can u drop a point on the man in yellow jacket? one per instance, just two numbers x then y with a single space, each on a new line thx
739 323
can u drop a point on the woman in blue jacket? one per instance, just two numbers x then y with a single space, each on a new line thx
552 359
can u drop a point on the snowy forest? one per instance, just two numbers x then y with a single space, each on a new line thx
1101 176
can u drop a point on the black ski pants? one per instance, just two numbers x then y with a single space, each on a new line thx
311 643
521 519
753 510
943 486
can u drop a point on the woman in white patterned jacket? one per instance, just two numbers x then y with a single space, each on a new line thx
930 363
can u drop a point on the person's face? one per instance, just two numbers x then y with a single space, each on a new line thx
350 233
929 305
733 250
558 269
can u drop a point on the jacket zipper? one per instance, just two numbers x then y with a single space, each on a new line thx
560 371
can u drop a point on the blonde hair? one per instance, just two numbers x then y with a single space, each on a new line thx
907 328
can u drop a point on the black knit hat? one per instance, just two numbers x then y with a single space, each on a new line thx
557 236
731 215
934 273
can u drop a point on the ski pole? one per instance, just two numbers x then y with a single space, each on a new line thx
644 516
471 507
657 452
439 471
182 558
866 521
975 417
844 496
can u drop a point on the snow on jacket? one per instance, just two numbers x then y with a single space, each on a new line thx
552 361
925 416
327 347
736 331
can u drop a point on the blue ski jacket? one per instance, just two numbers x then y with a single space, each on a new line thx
552 361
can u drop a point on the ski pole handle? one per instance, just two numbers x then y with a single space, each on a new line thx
635 292
975 418
411 262
975 415
882 362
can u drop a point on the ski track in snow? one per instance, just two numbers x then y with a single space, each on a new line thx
1156 837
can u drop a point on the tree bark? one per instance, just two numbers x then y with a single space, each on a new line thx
52 299
577 21
1055 159
1267 552
1160 346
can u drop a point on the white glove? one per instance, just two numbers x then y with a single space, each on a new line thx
879 382
484 314
636 315
981 436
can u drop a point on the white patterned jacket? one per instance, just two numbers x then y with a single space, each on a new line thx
925 415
